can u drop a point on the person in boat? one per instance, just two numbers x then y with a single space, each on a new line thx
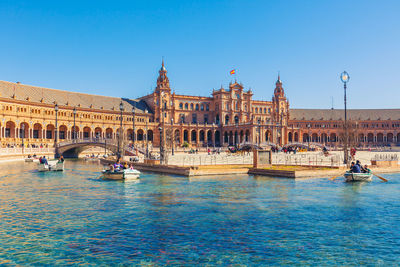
44 160
131 167
29 156
125 166
41 160
110 167
358 163
355 168
117 165
351 166
61 159
365 169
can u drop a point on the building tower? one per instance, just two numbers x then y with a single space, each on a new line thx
280 113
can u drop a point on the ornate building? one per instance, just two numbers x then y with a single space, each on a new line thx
229 116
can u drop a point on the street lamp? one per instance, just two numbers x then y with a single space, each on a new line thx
133 124
344 76
308 139
173 135
213 133
236 133
56 133
74 132
146 135
23 135
161 146
121 108
259 132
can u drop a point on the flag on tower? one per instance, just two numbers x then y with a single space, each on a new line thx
232 71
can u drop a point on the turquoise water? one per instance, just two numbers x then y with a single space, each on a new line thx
75 218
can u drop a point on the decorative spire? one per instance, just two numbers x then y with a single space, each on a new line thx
278 87
162 80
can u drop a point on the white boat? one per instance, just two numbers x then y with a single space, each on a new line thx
43 167
358 177
59 166
121 175
53 165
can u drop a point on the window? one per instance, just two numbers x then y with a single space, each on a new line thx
191 106
181 105
202 107
197 106
8 132
49 134
182 118
62 135
36 134
205 118
207 107
194 118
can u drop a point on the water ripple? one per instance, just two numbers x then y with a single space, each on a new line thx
75 218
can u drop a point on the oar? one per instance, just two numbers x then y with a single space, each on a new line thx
334 177
380 177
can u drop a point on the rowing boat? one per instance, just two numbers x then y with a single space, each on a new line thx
358 177
121 175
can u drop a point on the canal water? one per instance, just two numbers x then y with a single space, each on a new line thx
73 217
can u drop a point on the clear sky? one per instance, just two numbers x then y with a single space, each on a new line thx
115 47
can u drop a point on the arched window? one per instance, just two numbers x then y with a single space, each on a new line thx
207 107
202 107
191 106
186 106
181 105
197 106
256 110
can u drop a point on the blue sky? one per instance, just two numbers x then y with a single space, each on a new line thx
115 47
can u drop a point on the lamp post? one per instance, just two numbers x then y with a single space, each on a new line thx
172 135
133 125
308 139
213 125
345 78
56 133
236 133
259 132
121 108
74 132
23 135
146 135
161 145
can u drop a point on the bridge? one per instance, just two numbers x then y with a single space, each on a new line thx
72 148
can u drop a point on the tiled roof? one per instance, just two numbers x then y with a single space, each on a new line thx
338 114
65 98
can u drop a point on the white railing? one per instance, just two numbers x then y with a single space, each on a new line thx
25 151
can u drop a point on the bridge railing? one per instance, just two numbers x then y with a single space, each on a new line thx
88 140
